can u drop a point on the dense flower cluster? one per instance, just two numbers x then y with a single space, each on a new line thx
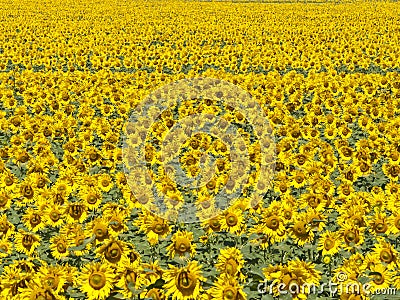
71 72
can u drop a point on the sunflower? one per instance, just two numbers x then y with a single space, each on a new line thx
59 245
183 283
34 290
154 226
26 242
96 280
181 244
298 179
290 278
381 278
313 201
104 182
273 225
99 228
76 238
230 263
352 214
386 253
91 196
313 275
52 278
33 219
352 236
117 223
378 223
232 221
287 212
212 225
315 219
113 251
301 231
12 280
130 277
329 243
7 229
53 215
391 170
154 293
227 288
5 199
330 132
75 212
6 248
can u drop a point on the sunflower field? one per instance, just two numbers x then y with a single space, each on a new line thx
327 79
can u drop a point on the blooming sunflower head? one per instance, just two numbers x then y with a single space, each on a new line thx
183 283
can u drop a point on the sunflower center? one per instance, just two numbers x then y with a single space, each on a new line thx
300 228
28 192
206 204
299 179
97 280
329 244
92 199
61 248
379 279
211 184
229 293
394 171
41 183
397 222
76 211
231 220
288 215
182 245
214 224
301 160
351 237
293 286
8 181
380 227
35 220
273 222
100 232
231 266
27 241
186 282
51 282
3 200
80 241
386 256
159 228
364 167
54 216
3 227
116 225
113 253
